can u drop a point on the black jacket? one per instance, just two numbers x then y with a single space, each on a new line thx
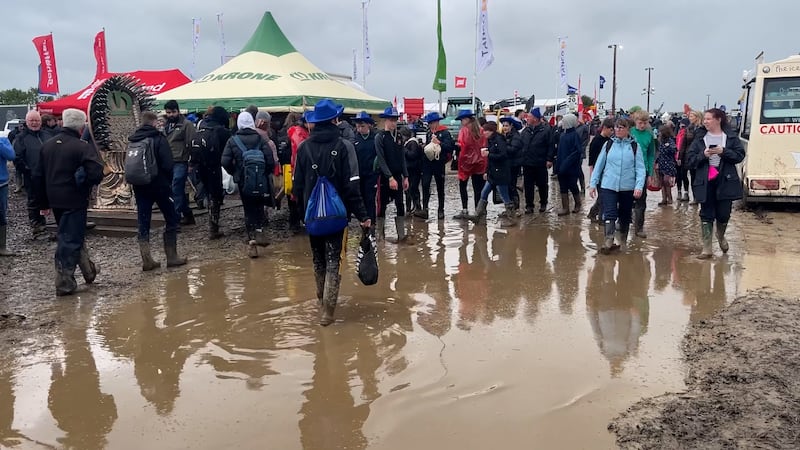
499 172
729 185
232 155
514 145
391 156
595 147
537 145
448 149
341 170
346 131
211 160
365 151
163 157
414 156
67 170
27 147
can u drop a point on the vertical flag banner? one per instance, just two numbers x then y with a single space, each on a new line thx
440 80
48 79
355 65
602 81
222 49
195 41
580 97
100 54
562 61
367 53
485 47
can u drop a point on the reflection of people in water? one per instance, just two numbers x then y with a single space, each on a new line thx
435 319
567 265
618 307
704 288
471 281
81 410
537 279
9 437
662 261
505 291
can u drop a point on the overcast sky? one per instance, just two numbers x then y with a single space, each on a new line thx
695 47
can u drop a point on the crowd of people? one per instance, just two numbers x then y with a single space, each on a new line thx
371 166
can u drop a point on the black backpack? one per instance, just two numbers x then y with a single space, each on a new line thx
141 167
205 147
634 145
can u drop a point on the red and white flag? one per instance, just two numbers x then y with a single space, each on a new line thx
461 82
100 54
48 76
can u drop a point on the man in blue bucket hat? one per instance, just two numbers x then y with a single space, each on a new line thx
393 172
434 164
325 153
365 151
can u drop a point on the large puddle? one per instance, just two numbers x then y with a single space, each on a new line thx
471 339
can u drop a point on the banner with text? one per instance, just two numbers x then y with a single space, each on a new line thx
100 54
48 79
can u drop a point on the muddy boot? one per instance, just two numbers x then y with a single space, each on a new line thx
213 220
89 269
252 245
261 238
510 220
577 198
707 229
188 218
380 234
38 229
480 212
440 214
148 263
463 215
622 236
638 223
594 212
65 282
564 210
4 251
608 237
723 243
330 296
421 213
171 251
529 210
400 225
319 277
685 197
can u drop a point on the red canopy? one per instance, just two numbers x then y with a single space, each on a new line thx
156 81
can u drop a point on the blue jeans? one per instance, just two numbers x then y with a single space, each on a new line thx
180 173
4 206
617 205
145 198
502 188
71 234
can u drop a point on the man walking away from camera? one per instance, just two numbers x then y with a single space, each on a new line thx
180 133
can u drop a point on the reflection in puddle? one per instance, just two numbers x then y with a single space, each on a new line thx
471 338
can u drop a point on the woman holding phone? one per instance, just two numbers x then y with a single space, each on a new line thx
713 155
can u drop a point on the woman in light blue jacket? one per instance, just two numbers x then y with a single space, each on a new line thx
6 155
620 173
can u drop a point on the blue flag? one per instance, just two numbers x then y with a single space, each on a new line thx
571 90
602 81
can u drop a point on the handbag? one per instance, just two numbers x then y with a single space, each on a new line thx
655 182
367 260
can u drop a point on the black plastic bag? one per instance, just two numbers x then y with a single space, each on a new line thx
367 261
496 198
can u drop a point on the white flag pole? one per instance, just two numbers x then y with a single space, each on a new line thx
221 39
475 60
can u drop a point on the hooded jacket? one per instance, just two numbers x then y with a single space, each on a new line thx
728 184
297 134
66 172
647 145
27 147
514 144
232 156
163 157
341 169
537 145
620 168
346 131
179 136
414 156
568 161
499 171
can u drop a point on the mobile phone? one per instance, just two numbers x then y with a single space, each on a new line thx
712 146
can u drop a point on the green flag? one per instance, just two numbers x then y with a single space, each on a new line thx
440 82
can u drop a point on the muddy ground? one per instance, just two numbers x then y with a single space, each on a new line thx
742 387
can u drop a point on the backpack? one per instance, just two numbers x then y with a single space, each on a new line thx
634 145
284 147
141 167
254 166
205 147
325 212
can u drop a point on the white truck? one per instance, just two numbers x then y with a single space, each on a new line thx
11 116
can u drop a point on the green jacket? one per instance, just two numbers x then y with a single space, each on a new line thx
647 144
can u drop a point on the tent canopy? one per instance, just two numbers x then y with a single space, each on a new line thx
156 81
271 74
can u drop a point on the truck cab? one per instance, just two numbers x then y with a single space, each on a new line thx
454 104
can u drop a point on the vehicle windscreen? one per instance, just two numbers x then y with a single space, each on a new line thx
781 102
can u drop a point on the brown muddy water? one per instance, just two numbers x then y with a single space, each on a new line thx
472 339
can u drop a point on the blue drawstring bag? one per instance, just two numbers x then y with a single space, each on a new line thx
325 212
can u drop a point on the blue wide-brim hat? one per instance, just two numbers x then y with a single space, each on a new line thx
362 116
324 111
464 113
390 113
513 121
432 117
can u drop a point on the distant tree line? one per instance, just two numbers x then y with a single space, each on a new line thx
19 97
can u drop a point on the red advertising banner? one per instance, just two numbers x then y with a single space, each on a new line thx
48 79
461 82
100 54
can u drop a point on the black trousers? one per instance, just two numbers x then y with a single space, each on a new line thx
254 215
713 209
211 179
535 176
683 179
146 196
386 195
412 194
34 216
477 187
427 175
512 187
327 252
71 235
369 191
